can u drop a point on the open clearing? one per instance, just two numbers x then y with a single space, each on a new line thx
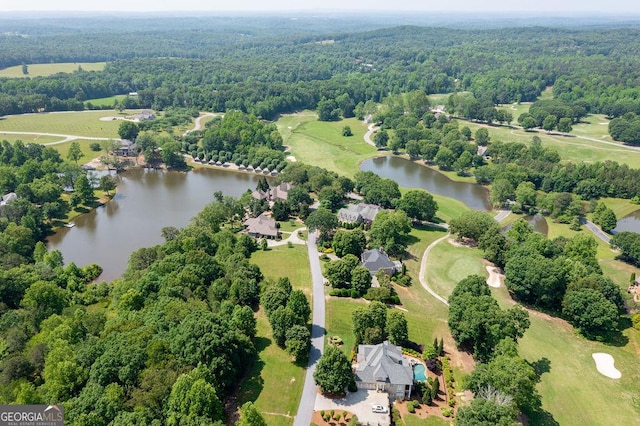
105 101
83 123
322 144
43 70
570 148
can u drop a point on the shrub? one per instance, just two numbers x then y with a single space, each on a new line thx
322 414
395 415
447 412
410 407
636 321
324 258
353 421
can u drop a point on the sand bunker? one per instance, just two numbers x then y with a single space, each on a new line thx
605 365
494 276
110 118
291 158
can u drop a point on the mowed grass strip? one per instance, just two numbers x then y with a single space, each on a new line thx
43 70
284 261
570 148
322 144
28 138
83 123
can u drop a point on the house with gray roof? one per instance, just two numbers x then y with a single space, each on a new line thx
359 213
376 259
7 198
383 368
280 192
126 148
261 227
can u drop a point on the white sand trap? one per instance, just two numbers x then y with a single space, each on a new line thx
494 276
110 118
291 158
605 365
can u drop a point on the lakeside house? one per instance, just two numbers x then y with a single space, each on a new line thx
376 259
144 115
359 213
280 192
383 368
126 148
261 227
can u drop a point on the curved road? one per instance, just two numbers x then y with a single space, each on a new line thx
308 398
371 131
67 138
596 231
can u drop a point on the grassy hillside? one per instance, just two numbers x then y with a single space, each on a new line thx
43 70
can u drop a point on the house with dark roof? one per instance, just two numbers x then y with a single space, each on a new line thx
358 213
280 192
376 259
382 367
261 227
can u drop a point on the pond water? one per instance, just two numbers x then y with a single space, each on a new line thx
538 222
147 201
413 175
629 223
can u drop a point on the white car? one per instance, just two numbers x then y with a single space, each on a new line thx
379 409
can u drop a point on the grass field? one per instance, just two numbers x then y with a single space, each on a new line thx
42 70
571 388
89 155
322 144
85 123
105 101
449 264
274 369
28 138
569 148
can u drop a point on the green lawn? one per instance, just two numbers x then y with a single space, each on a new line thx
570 148
28 138
84 123
89 155
412 420
322 144
274 369
105 101
449 264
516 109
43 70
283 261
572 390
274 383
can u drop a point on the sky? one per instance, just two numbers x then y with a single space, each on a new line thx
619 7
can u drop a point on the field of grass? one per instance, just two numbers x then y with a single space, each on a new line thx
571 388
570 148
89 155
105 101
322 144
28 138
84 123
275 383
283 261
449 264
412 420
43 70
274 369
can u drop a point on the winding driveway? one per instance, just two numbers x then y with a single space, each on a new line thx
308 398
596 231
371 131
67 138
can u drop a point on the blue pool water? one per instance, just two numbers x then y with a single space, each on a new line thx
418 373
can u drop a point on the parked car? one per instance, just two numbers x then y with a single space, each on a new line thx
379 409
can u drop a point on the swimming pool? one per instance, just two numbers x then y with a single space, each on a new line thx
418 373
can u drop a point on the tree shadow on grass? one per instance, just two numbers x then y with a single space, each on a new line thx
541 418
541 366
253 383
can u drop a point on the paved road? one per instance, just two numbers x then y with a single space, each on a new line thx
308 399
597 231
371 131
67 138
502 214
197 125
293 238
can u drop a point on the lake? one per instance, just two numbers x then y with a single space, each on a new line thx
413 175
147 201
629 223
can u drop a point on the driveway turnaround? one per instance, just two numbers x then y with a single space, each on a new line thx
359 403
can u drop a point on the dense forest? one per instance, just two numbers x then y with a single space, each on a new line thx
267 73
